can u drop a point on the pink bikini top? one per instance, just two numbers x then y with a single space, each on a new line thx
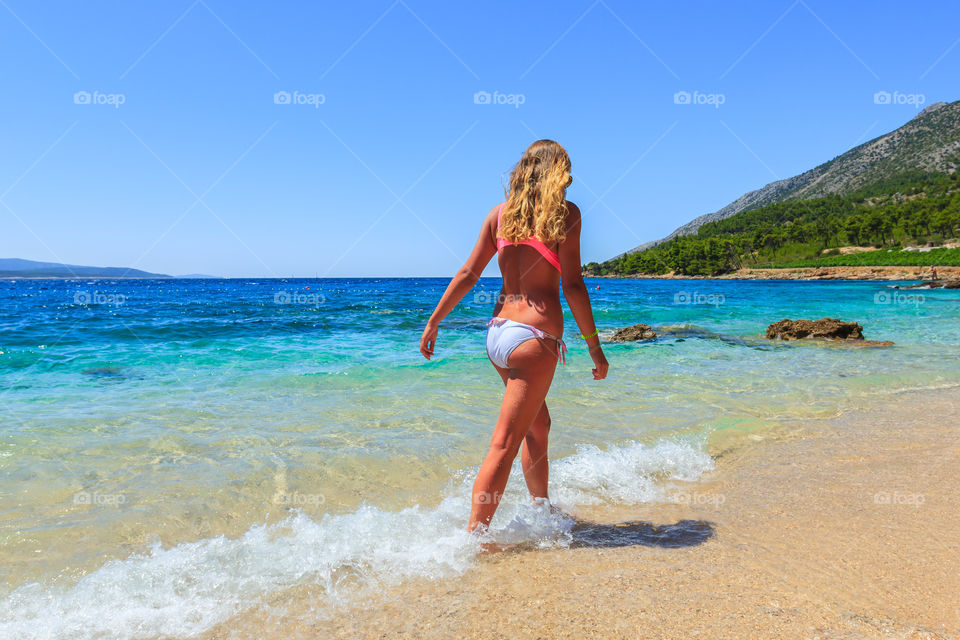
543 249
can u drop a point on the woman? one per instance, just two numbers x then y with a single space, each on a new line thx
536 233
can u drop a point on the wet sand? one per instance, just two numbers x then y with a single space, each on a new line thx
847 528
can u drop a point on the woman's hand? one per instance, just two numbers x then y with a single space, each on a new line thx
428 340
600 363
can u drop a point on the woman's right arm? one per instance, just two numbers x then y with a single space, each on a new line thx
575 291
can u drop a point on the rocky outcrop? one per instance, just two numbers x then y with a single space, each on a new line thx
949 274
935 284
634 333
830 328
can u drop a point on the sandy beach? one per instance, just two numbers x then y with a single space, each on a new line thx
845 528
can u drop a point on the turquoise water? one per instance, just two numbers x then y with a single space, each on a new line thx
180 451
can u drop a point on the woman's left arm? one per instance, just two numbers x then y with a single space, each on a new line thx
461 283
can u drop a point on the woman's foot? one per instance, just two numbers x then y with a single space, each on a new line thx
554 509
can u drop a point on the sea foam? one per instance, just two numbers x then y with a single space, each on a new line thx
184 590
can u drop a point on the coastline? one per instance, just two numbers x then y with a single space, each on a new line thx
843 528
811 273
881 273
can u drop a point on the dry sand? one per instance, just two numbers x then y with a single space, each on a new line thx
849 528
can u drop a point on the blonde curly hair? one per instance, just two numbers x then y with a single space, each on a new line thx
536 195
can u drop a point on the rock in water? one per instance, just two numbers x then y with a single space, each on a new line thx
636 332
830 328
934 284
103 371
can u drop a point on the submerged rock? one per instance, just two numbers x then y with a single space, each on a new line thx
830 328
636 332
869 343
104 372
935 284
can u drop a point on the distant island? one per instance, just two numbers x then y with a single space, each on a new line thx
19 268
891 202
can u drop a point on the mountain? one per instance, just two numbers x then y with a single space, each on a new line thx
929 142
17 268
197 276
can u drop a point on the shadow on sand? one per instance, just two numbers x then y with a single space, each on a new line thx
685 533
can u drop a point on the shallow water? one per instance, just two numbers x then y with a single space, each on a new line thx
174 452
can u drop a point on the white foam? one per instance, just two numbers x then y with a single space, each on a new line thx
185 590
627 474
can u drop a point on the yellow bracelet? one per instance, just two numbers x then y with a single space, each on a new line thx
596 332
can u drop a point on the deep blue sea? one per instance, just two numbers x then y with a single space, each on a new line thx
174 452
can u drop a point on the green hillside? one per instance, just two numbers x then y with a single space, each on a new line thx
897 190
908 208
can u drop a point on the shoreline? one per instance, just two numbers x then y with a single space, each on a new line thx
811 273
879 273
843 528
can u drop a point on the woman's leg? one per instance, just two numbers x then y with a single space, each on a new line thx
532 365
533 456
536 467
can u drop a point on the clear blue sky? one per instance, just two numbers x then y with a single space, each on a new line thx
200 170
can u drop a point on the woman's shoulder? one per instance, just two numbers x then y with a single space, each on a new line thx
494 213
492 221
